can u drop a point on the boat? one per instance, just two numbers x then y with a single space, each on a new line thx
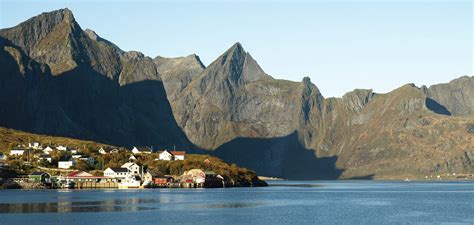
407 180
67 184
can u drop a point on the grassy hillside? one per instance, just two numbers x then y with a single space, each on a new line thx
10 138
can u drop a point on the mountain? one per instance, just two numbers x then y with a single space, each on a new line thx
288 129
456 96
177 73
233 97
91 88
58 79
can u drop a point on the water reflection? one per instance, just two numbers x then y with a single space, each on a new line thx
294 185
113 205
227 205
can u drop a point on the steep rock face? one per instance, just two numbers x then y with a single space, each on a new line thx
284 128
136 67
233 98
456 96
177 73
50 38
98 91
356 100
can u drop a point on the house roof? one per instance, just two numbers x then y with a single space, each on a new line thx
128 165
79 174
155 173
178 152
64 159
105 149
174 152
82 174
119 169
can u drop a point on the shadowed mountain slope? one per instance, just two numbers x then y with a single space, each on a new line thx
95 90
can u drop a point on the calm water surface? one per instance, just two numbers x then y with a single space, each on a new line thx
284 202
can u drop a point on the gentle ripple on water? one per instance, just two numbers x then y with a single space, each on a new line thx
284 202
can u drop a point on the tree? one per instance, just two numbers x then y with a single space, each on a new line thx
44 163
82 165
16 164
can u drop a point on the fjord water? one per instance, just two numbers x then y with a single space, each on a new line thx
283 202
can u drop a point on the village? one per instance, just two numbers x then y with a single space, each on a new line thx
35 165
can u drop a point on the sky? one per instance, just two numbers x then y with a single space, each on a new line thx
340 45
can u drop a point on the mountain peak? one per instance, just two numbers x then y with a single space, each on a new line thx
55 17
66 13
306 80
235 53
31 31
238 65
237 47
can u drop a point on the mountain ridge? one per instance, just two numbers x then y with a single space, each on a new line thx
72 82
102 94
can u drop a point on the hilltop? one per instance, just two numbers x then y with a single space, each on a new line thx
10 138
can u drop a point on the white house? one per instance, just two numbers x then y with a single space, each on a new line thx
140 150
3 157
171 155
102 151
135 150
179 155
47 150
17 151
119 173
35 145
165 155
132 158
61 148
66 163
76 156
133 167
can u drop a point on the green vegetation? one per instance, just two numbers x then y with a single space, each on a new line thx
236 175
10 138
23 165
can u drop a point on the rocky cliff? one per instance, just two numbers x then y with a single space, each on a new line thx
95 90
288 129
456 96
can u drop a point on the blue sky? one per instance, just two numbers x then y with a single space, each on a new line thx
340 45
